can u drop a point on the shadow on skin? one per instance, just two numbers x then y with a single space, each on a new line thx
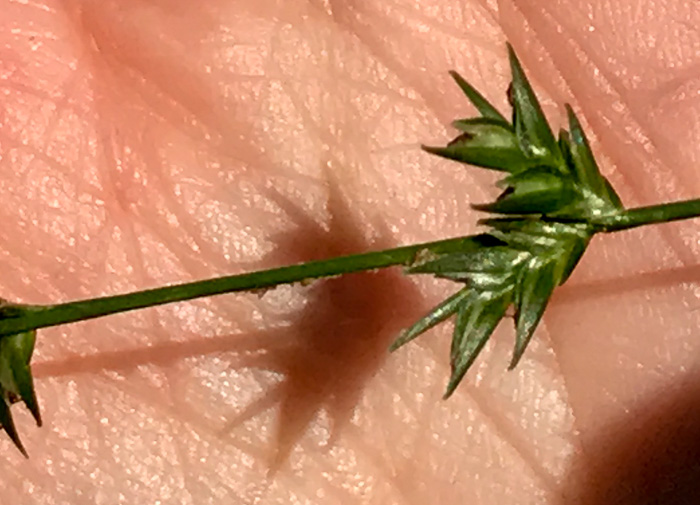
652 456
339 342
324 358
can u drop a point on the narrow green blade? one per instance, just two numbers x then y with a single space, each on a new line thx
538 190
438 314
494 259
8 423
471 336
463 325
15 372
585 167
535 286
485 143
534 133
575 247
538 227
476 98
23 349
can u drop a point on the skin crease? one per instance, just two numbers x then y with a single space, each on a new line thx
143 143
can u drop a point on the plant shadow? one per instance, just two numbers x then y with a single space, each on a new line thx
323 360
339 341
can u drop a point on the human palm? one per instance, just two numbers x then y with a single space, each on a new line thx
142 144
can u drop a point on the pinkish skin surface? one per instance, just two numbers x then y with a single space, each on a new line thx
150 142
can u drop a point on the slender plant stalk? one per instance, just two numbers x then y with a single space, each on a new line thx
40 316
33 317
653 214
